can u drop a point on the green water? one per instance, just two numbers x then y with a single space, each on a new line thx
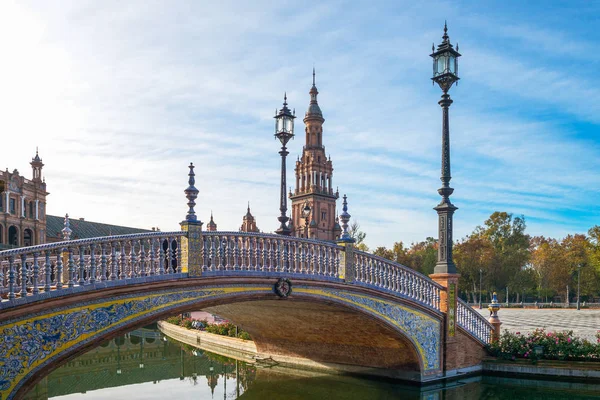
143 364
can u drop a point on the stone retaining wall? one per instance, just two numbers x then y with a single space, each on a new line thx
563 370
240 349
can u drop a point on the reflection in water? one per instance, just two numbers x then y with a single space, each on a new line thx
144 364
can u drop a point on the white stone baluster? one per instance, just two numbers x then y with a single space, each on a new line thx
133 258
152 251
11 277
71 282
93 271
228 253
286 256
244 252
161 257
103 262
36 270
48 270
123 261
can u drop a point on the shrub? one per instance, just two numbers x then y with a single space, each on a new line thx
554 345
176 320
244 335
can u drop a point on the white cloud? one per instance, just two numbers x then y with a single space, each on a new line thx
120 98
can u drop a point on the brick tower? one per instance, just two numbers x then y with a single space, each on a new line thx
314 186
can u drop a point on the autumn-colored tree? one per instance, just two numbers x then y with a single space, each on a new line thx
594 239
473 254
549 263
398 253
577 251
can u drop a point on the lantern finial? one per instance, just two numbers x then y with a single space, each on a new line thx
445 37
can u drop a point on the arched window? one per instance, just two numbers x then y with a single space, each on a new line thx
27 237
13 236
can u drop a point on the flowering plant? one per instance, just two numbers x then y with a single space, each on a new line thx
540 344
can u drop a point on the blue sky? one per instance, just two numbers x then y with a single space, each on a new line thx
121 96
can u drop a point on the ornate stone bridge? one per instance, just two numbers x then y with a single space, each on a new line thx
347 310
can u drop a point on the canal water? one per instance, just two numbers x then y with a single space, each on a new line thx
144 364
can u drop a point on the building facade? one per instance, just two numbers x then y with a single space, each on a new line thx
23 207
314 185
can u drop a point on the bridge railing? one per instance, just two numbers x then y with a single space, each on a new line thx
381 273
30 271
259 253
98 262
473 322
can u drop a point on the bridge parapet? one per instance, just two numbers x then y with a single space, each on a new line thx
473 322
231 253
38 272
403 281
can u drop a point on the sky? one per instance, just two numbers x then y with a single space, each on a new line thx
121 96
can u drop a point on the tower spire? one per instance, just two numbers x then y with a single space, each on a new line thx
313 108
36 166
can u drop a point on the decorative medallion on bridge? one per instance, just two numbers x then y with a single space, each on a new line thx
283 287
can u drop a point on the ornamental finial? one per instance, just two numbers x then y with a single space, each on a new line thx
445 37
191 193
345 217
66 231
313 75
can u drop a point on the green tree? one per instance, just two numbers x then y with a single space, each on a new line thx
358 236
423 255
511 248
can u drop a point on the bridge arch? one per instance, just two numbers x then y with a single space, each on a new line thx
63 327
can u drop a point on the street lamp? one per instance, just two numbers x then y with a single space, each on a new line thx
284 131
578 284
480 275
306 213
445 73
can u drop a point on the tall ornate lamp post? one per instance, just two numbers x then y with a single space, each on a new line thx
445 73
284 131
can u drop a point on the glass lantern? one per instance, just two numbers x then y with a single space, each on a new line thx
284 124
444 63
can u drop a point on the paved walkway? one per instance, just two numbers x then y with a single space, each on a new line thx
583 323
